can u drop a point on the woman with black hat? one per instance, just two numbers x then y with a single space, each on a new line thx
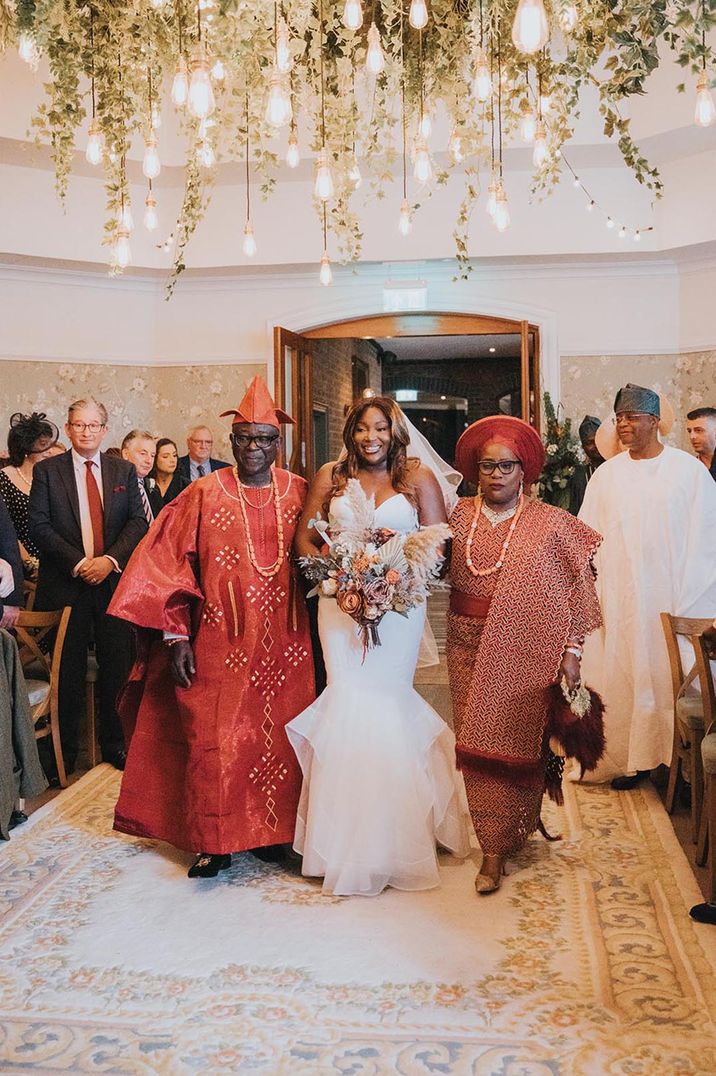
30 439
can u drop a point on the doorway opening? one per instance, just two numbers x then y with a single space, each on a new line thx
445 371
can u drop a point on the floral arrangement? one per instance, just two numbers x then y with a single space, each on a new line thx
371 570
563 456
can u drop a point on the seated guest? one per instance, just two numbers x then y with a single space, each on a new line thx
139 448
31 439
198 462
20 771
10 571
701 428
164 479
86 517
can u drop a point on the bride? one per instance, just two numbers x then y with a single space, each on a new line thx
379 779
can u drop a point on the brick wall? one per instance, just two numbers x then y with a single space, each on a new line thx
333 381
480 381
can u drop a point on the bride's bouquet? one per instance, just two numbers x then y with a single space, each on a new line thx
371 570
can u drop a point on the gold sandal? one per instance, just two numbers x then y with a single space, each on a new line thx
490 877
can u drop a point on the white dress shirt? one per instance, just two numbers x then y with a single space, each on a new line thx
78 463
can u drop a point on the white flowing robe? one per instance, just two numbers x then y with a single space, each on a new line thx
658 519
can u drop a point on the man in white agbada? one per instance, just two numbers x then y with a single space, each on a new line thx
656 507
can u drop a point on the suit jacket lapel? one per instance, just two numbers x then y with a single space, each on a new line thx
67 472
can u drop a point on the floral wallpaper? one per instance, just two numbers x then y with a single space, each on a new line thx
589 384
166 400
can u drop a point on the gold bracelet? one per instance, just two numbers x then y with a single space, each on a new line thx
173 642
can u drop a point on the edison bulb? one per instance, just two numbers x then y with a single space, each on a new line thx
180 85
126 219
423 168
528 126
278 105
293 157
374 60
541 152
418 14
151 165
353 15
325 274
151 220
502 212
491 203
323 187
28 51
201 95
705 112
426 125
455 147
249 244
95 144
159 4
404 221
283 49
545 104
205 154
530 30
122 249
218 71
355 175
610 223
568 18
622 232
482 83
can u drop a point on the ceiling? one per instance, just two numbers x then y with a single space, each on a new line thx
444 348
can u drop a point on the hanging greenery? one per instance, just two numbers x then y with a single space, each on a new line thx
300 65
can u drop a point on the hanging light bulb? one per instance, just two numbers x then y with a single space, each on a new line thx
576 182
426 125
151 220
491 204
159 4
637 236
218 71
95 144
323 188
374 60
423 167
455 147
151 165
122 249
325 275
705 113
355 174
482 83
28 50
404 221
156 119
278 105
545 104
540 152
568 18
502 212
622 232
293 157
201 95
528 124
180 85
126 220
610 223
283 50
205 154
353 15
418 14
590 206
530 30
249 244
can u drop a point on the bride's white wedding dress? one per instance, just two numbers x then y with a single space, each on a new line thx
379 780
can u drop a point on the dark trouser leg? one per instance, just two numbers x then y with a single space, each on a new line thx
113 641
72 674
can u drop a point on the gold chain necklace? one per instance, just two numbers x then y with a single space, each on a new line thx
481 572
270 570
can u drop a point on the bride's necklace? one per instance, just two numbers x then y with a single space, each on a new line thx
493 517
479 507
19 474
268 571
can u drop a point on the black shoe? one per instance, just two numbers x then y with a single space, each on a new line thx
16 819
622 784
270 853
704 913
208 866
118 759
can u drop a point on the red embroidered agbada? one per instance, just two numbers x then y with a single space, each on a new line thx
209 767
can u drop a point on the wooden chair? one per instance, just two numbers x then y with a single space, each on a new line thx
688 716
707 830
29 590
43 677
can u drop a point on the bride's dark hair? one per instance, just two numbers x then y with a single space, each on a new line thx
400 465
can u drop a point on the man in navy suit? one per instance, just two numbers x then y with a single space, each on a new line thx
199 461
10 570
86 517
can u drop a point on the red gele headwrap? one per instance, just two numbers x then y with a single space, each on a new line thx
517 435
258 406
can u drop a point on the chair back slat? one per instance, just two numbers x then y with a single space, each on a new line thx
704 668
687 627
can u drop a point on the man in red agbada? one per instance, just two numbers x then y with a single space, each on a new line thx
226 661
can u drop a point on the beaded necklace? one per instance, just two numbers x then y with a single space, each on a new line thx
481 572
270 570
19 474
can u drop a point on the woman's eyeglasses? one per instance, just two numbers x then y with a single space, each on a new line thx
503 466
262 440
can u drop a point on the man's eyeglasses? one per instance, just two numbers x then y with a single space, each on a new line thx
503 466
262 440
80 427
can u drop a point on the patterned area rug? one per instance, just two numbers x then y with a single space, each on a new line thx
112 961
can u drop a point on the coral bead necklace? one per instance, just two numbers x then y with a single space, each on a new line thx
270 570
481 572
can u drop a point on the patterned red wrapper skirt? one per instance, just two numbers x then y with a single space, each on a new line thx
504 800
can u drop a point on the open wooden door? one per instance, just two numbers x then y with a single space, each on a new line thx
293 391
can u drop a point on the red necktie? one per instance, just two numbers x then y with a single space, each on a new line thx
95 510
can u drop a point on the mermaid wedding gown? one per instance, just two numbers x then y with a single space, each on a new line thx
379 780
